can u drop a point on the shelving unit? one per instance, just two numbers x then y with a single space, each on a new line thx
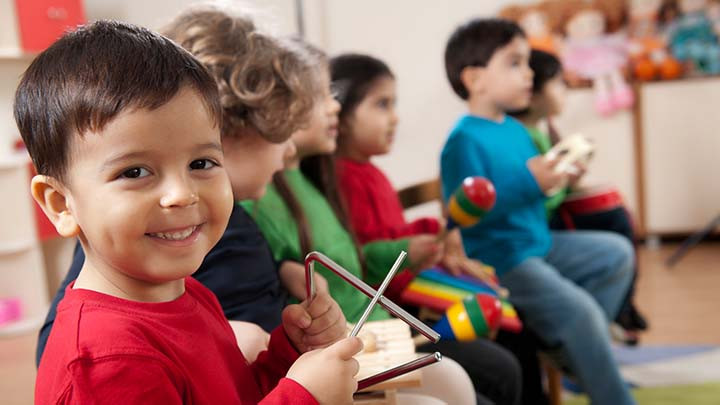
22 271
26 28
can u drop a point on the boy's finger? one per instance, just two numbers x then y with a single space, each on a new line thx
296 315
354 367
346 348
321 304
330 318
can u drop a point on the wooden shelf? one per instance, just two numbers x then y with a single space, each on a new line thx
14 247
10 54
22 326
13 161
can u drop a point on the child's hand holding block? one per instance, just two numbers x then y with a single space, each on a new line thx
571 151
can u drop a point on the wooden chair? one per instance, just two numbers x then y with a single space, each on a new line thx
429 191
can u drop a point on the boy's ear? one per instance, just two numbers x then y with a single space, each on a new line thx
52 198
472 78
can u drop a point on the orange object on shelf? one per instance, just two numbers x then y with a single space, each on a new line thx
671 69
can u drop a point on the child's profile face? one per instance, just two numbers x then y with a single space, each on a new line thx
370 129
251 161
320 135
149 191
508 77
553 95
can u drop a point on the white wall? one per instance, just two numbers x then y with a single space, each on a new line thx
279 15
410 36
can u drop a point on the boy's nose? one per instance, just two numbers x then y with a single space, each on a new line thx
179 193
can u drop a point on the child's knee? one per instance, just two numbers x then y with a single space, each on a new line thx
623 256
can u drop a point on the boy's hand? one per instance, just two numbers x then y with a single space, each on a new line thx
424 251
292 277
544 172
315 325
329 374
579 171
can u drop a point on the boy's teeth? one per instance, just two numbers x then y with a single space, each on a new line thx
179 235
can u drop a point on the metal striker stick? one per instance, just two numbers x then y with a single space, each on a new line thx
379 292
399 370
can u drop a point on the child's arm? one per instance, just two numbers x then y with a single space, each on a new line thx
250 338
292 276
462 157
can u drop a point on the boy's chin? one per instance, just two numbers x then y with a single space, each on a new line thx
518 105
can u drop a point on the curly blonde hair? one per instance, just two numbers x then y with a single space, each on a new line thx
264 83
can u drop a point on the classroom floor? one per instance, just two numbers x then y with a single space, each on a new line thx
679 303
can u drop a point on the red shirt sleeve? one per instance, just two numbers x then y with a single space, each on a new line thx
423 225
270 368
374 207
289 392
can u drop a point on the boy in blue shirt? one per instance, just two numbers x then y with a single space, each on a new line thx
567 285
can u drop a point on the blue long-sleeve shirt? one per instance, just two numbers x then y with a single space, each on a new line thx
516 228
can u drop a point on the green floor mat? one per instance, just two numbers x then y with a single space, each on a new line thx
705 394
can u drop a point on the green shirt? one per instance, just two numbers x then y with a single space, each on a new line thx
328 237
543 144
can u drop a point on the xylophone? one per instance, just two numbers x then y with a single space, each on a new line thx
438 291
387 344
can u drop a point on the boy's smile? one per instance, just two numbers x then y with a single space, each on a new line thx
150 197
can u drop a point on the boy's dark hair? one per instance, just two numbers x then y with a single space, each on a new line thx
473 44
89 76
545 67
352 75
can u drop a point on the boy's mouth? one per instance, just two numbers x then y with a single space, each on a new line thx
175 235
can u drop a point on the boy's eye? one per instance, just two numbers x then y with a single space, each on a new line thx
135 173
384 103
202 164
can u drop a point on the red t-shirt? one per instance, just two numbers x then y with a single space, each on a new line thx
374 207
376 212
104 349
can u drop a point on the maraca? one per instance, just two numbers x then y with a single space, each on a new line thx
470 202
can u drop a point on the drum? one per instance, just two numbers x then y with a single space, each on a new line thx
590 202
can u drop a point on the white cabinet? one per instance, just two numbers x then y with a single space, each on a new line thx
613 162
681 153
22 272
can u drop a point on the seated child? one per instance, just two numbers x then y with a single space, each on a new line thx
547 101
567 285
123 127
367 121
302 212
255 142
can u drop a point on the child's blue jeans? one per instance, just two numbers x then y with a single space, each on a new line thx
568 299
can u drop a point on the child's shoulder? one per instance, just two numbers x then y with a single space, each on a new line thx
97 324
